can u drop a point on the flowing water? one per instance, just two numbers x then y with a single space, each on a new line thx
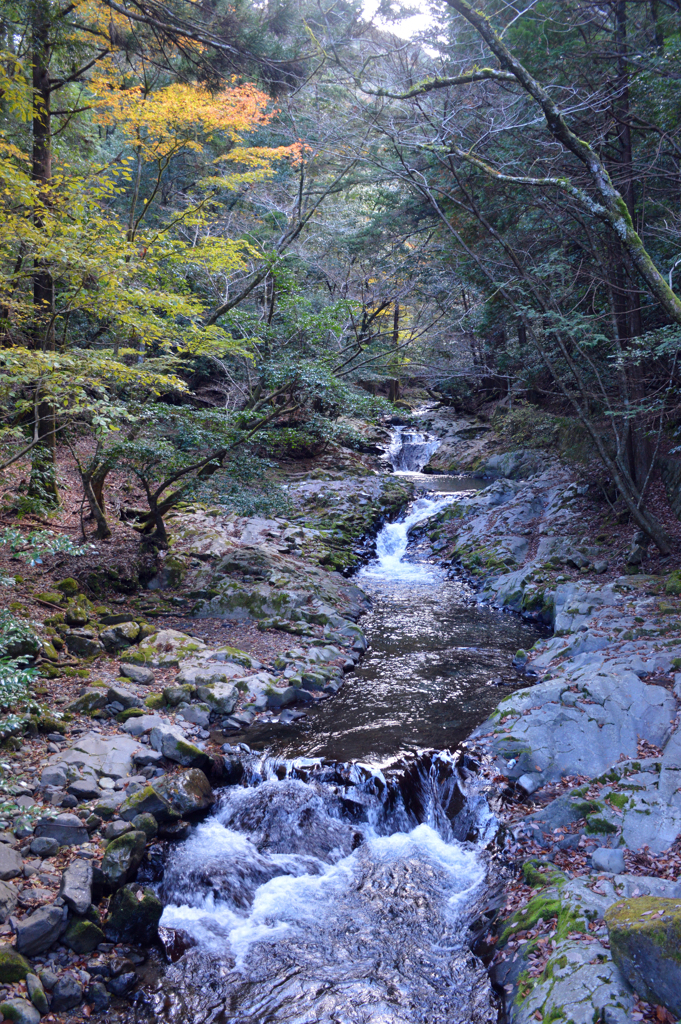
338 883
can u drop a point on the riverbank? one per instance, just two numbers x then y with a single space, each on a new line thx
584 765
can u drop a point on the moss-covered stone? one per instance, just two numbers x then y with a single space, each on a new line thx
46 724
146 801
673 585
155 701
132 919
146 823
82 935
123 716
69 586
51 597
90 701
13 966
645 942
122 858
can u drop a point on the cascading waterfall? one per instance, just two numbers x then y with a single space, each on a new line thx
334 895
410 450
331 891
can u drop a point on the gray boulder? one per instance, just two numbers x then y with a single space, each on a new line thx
44 847
36 993
132 919
171 742
76 885
10 862
137 673
97 995
221 697
90 700
20 1011
187 793
84 789
67 993
53 775
66 829
37 933
117 829
120 636
120 695
83 643
644 942
604 859
8 900
147 757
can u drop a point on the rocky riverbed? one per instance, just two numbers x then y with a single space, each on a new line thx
148 698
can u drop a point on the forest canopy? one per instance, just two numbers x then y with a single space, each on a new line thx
227 229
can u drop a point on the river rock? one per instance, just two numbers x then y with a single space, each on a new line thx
188 793
604 859
53 775
83 935
43 847
83 643
97 996
38 932
105 755
122 858
148 757
221 697
13 966
196 673
116 829
36 993
84 789
197 714
90 700
139 726
165 648
174 695
644 941
131 918
121 695
10 862
120 636
145 801
76 885
171 742
146 823
66 829
20 1011
67 993
8 900
121 985
137 673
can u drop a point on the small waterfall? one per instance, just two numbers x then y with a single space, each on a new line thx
392 542
331 893
410 450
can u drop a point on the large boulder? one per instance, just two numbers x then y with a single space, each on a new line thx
171 742
82 935
220 696
8 900
20 1011
122 858
120 636
66 829
84 643
138 674
76 885
105 755
187 793
165 648
10 862
196 672
146 801
122 695
131 918
13 966
91 700
645 943
37 933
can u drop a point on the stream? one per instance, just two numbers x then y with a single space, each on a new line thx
339 882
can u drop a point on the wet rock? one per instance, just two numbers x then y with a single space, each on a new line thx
98 997
85 789
122 858
134 914
174 831
146 823
146 801
137 673
8 900
171 742
76 885
91 700
36 993
13 966
121 985
187 793
20 1011
67 993
604 859
83 935
37 933
120 636
66 829
10 862
644 942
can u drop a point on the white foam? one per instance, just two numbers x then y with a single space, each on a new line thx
392 541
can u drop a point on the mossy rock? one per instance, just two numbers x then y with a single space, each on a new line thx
672 587
123 716
69 586
13 966
48 671
645 943
132 919
46 723
82 935
155 701
52 597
